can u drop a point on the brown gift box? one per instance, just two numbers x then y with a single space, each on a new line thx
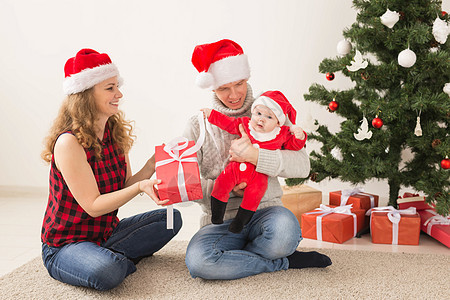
300 199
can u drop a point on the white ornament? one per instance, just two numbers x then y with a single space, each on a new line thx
357 63
336 153
418 129
446 88
407 58
434 49
440 30
308 124
390 18
363 131
343 47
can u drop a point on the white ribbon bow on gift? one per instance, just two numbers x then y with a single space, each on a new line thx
345 194
173 149
394 215
435 220
326 210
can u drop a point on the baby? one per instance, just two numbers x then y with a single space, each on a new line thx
269 128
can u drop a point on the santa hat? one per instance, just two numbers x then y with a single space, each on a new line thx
87 69
220 63
279 104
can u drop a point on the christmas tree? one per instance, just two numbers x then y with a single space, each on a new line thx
397 55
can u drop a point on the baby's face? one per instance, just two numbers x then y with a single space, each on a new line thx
263 119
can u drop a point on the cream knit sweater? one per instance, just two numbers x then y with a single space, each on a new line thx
213 157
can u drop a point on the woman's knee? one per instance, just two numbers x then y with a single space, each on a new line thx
177 221
110 274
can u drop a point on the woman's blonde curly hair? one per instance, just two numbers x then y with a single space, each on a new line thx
77 114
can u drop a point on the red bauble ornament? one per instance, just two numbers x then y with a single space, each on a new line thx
445 163
330 76
333 105
443 13
377 122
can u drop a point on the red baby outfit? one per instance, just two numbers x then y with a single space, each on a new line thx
65 220
232 175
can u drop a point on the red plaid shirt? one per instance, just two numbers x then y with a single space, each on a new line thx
65 221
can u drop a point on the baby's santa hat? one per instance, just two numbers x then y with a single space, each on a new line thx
86 69
279 104
220 63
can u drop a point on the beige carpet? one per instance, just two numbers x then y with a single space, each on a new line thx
353 275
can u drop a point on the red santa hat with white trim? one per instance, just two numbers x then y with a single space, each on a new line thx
86 69
220 63
279 104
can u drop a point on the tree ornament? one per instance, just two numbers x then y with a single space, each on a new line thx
434 49
363 131
440 30
365 76
436 143
377 122
336 153
343 47
357 62
407 58
313 177
418 129
445 163
446 88
389 18
333 105
329 76
434 43
308 124
444 13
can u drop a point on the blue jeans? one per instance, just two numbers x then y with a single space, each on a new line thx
104 267
262 246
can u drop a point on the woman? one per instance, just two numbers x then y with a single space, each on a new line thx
83 241
268 242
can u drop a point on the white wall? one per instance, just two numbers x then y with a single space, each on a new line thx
151 42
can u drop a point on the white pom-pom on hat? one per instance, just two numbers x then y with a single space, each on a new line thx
204 80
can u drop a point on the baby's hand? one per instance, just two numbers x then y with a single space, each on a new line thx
298 132
206 112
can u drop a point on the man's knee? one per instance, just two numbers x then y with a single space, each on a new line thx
284 232
200 263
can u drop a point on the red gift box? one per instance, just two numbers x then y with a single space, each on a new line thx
335 224
357 197
397 227
412 200
177 168
435 225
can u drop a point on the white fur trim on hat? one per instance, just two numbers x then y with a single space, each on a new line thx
273 106
229 69
87 78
